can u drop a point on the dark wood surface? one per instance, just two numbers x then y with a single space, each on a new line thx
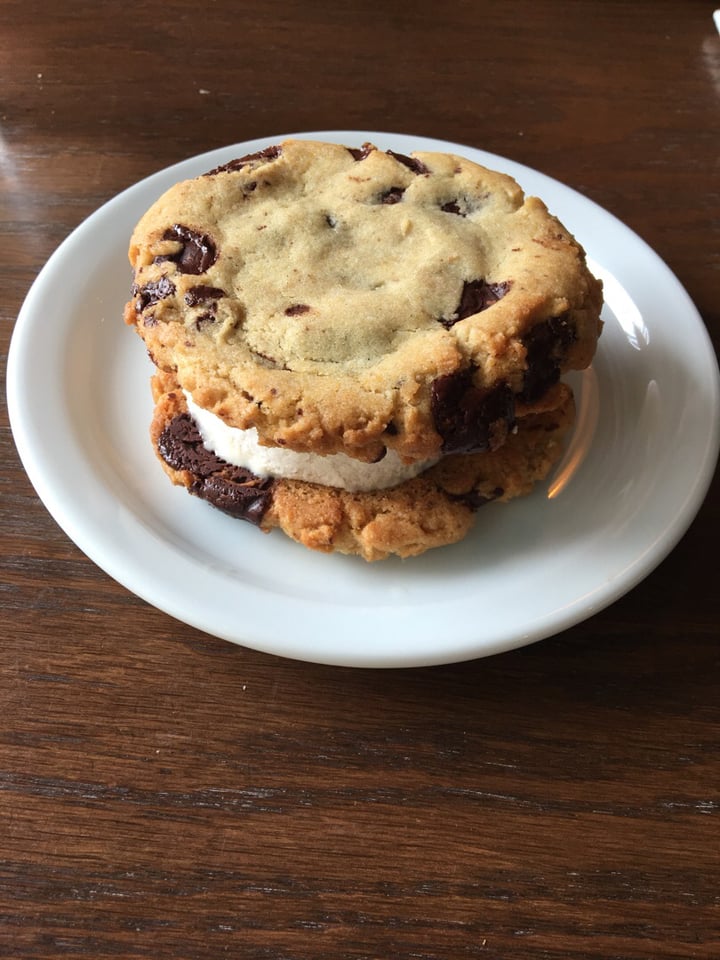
164 794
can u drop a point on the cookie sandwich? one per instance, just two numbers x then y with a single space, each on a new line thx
356 346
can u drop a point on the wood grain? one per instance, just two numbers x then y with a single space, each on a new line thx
165 794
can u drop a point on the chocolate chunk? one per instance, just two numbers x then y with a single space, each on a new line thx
546 345
478 295
205 319
359 153
181 447
452 207
244 499
465 416
202 293
330 220
269 153
205 295
393 195
152 292
296 309
233 490
197 253
417 166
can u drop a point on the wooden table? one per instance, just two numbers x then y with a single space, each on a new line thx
169 795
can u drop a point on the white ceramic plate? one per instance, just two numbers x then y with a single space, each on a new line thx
638 466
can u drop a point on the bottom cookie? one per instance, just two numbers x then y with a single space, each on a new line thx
434 509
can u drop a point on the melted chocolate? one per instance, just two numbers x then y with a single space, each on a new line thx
417 166
205 319
153 292
197 253
393 195
202 293
464 415
546 345
269 153
476 296
359 153
233 490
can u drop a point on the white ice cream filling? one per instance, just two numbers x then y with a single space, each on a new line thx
241 449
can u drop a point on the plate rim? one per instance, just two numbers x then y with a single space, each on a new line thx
467 649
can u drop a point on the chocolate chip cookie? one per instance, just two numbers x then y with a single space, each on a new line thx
357 346
353 300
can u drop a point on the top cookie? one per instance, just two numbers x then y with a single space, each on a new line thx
351 300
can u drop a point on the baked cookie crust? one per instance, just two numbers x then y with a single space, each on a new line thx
350 300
